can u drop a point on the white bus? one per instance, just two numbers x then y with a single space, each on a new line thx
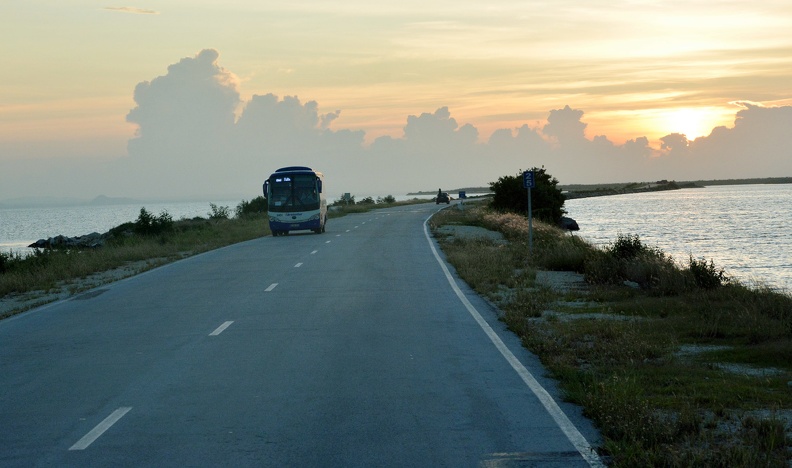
295 200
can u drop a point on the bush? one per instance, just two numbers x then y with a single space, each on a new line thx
386 200
547 201
5 261
344 201
219 212
630 259
148 224
253 207
366 201
705 275
627 247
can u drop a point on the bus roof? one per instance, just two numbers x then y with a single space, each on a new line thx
295 168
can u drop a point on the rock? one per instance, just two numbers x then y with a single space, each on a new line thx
632 284
569 224
89 241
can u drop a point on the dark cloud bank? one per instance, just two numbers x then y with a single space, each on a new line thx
197 137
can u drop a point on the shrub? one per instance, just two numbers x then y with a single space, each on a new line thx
705 275
367 201
547 201
219 212
630 259
386 200
5 261
253 207
345 200
627 247
148 224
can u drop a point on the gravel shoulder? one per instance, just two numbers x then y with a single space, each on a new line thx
12 304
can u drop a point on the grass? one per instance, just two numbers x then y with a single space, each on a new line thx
47 269
617 350
654 405
150 241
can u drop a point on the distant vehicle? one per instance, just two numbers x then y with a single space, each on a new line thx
296 200
443 198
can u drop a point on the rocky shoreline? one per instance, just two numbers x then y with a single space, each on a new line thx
87 241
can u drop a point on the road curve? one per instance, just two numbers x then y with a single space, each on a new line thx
356 347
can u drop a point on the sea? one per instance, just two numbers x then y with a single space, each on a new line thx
21 226
744 229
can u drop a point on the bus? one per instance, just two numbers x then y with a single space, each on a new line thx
296 200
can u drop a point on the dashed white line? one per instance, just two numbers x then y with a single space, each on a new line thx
327 242
271 287
339 235
314 252
100 429
298 265
348 230
221 328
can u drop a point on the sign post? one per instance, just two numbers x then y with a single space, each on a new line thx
462 196
528 183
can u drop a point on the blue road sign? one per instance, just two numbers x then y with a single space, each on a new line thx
528 180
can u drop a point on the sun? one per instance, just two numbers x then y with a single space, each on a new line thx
691 122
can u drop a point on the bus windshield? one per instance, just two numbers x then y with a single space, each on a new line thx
293 192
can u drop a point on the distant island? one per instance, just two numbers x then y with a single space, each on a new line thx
55 202
597 190
572 191
579 191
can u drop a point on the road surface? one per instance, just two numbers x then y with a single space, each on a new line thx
356 347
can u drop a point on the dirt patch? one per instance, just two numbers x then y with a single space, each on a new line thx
14 303
562 281
469 232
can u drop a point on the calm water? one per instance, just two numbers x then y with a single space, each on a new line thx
745 229
19 227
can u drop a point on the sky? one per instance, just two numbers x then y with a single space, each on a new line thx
176 99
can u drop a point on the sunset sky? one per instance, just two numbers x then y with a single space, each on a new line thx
629 69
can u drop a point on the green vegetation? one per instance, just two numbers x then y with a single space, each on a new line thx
547 201
151 240
254 207
150 237
677 364
344 206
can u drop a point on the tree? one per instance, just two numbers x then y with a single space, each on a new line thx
547 201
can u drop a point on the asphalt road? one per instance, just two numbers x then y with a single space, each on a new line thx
355 347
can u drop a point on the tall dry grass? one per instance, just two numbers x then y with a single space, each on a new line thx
653 406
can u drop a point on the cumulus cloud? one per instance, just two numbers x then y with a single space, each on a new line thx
196 137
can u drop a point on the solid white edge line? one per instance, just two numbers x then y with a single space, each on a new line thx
221 328
271 287
573 434
100 429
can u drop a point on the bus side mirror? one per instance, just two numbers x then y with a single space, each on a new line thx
319 185
266 187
